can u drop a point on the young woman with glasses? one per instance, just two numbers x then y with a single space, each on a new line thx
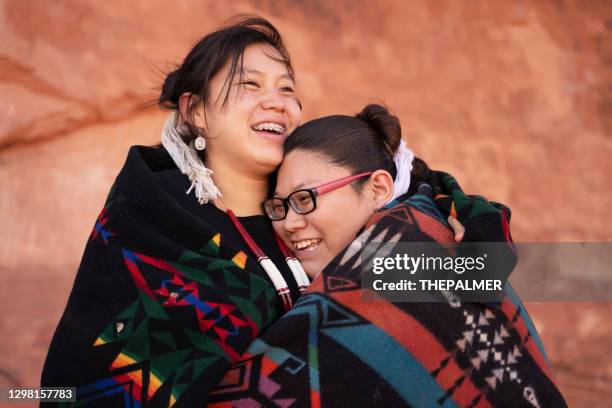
352 174
343 184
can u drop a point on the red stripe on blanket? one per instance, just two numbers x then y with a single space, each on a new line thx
505 226
316 286
482 403
415 338
163 265
138 278
315 399
132 383
267 366
220 404
510 310
427 224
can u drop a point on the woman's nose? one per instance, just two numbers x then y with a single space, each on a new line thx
273 100
293 221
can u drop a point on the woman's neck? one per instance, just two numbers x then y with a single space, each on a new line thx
242 193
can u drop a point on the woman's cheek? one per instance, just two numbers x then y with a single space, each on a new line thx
295 111
248 102
278 227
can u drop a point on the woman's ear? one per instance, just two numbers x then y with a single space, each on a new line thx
186 102
380 186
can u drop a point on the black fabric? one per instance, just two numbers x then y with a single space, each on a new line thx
258 226
163 302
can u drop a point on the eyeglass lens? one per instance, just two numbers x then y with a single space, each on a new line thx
301 201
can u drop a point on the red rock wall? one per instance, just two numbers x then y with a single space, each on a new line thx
514 98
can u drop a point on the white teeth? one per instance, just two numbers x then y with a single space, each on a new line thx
273 127
306 243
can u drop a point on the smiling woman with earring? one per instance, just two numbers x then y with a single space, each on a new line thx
182 270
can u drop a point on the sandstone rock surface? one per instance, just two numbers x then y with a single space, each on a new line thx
513 98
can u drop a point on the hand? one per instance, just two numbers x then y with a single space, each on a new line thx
457 227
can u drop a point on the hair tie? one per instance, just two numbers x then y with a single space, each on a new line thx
188 162
403 163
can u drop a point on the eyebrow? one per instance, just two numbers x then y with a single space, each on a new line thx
257 72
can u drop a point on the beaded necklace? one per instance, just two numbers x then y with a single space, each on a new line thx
282 289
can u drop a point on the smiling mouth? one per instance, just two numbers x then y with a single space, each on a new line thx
270 128
307 244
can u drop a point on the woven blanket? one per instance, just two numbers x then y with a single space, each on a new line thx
161 305
163 309
335 349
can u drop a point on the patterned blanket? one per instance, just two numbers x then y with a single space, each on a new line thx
335 349
163 309
162 304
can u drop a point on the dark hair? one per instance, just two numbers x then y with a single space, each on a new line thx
366 142
210 55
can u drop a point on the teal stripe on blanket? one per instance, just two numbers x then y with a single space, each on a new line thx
393 363
278 355
428 206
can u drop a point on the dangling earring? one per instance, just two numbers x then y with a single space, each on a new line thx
187 160
200 143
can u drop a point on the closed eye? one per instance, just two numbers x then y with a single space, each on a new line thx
250 83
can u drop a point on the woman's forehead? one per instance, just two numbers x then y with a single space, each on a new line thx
302 169
263 59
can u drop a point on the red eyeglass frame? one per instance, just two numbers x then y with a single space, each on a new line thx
314 192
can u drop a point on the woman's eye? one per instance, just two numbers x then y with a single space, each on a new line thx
305 199
287 89
250 83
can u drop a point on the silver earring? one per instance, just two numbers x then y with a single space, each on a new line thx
200 143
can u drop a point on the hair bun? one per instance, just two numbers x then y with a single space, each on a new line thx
384 124
169 94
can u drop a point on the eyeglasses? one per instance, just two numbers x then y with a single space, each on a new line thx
304 201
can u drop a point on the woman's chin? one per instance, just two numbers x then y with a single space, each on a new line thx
311 267
312 273
269 159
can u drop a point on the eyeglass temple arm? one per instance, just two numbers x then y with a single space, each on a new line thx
332 185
